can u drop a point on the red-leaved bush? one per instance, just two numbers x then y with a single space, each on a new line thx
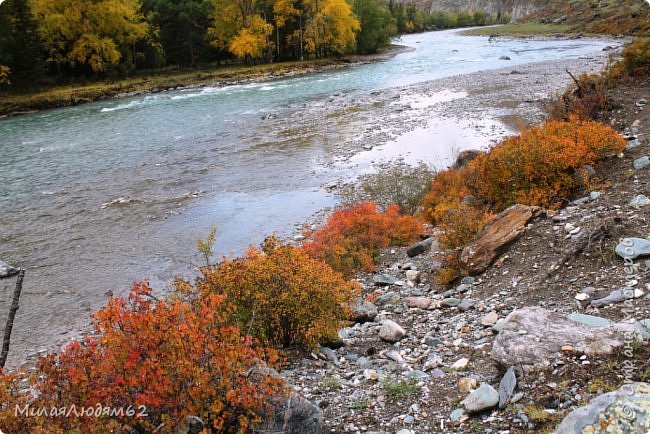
173 358
354 235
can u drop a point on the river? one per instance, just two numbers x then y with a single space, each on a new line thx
96 196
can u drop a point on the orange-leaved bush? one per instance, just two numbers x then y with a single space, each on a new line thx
447 192
543 165
585 99
354 235
459 226
169 359
280 294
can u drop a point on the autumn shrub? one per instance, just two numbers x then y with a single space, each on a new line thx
354 235
446 193
450 269
459 226
635 61
280 294
168 359
393 183
586 98
543 165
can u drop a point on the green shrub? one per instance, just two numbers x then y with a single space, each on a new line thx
636 59
394 183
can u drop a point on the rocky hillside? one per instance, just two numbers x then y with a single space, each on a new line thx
515 8
630 17
553 319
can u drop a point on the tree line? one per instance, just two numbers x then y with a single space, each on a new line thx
94 38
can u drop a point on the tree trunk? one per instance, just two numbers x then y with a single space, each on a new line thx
10 319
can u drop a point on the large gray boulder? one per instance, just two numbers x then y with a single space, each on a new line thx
532 336
625 411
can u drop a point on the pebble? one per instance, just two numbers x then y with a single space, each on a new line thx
384 280
388 298
412 275
481 399
390 331
458 415
460 364
450 302
594 195
418 302
641 163
490 319
639 201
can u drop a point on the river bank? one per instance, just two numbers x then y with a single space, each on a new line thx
130 200
513 327
72 95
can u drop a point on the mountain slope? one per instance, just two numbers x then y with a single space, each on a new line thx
515 8
630 17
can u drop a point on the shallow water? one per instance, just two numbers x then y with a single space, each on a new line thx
96 196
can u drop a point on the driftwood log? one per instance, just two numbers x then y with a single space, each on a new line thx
10 319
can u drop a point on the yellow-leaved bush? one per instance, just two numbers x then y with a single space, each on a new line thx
444 207
635 61
543 166
280 294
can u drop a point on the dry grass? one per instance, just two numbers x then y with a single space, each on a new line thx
519 30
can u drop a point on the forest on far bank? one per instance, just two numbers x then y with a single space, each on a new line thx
56 41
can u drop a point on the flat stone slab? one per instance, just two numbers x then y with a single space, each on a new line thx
626 410
534 336
633 248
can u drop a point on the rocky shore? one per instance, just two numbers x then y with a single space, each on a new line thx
547 333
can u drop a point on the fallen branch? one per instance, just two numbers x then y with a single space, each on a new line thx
581 91
10 319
